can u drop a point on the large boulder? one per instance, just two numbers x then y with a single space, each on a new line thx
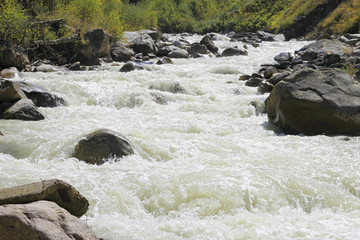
144 44
206 40
100 145
121 53
316 102
39 95
197 48
179 53
11 56
10 92
154 34
58 191
41 220
228 52
323 47
23 109
97 45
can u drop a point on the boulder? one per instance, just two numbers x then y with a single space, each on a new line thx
316 102
269 72
23 109
253 82
277 77
164 60
39 95
244 77
228 52
179 53
154 34
97 45
165 50
10 91
265 87
283 57
97 146
49 68
11 56
265 36
121 53
206 40
58 191
131 66
197 48
41 220
323 46
144 44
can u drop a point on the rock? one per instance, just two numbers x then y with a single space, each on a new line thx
97 146
58 191
324 46
209 44
228 52
164 60
97 46
165 50
23 109
11 72
316 102
283 57
197 48
179 44
49 68
268 73
41 220
253 82
265 87
265 36
121 53
1 134
10 91
12 56
154 34
179 53
144 44
131 66
277 77
39 95
244 77
75 66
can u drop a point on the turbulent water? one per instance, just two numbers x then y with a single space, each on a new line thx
207 166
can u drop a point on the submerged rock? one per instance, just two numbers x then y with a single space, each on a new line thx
97 146
58 191
41 220
316 102
131 66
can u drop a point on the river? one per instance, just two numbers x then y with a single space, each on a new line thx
206 166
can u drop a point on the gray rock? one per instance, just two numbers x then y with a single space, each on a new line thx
325 46
13 56
316 102
179 53
121 53
154 34
277 77
23 109
228 52
244 77
49 68
10 91
39 95
164 60
253 82
144 44
100 145
58 191
265 87
283 57
41 220
209 44
97 46
131 66
197 48
165 50
268 73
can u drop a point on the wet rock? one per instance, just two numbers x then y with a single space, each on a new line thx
97 46
253 82
58 191
100 145
324 46
316 102
23 109
159 98
268 73
197 48
228 52
41 220
265 87
206 40
164 60
121 53
265 36
131 66
49 68
179 44
259 107
283 57
244 77
39 95
165 50
13 56
144 44
196 55
179 53
277 77
10 92
75 66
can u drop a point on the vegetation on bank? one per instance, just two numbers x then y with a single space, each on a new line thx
19 18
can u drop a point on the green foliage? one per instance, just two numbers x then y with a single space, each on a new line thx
15 25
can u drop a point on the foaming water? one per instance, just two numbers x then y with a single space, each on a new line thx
207 166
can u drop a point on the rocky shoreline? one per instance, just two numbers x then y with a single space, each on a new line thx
310 94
